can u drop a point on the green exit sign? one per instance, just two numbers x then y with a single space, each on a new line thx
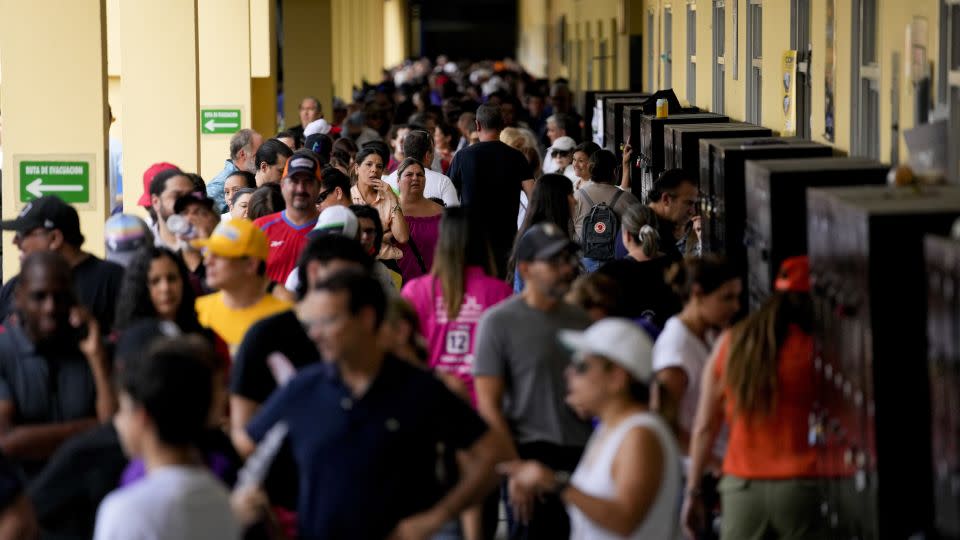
69 180
219 121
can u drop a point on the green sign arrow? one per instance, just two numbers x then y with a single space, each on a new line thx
69 180
219 121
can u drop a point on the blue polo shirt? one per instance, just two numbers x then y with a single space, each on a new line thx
366 463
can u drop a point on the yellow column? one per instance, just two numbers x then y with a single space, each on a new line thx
224 52
160 90
395 32
263 67
307 56
40 83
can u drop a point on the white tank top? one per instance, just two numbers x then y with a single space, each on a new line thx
593 476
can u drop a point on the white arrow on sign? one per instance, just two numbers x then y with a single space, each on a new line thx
212 125
37 189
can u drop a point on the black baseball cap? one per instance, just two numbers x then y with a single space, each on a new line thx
543 241
197 197
48 212
302 162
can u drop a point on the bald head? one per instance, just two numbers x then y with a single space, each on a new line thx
44 295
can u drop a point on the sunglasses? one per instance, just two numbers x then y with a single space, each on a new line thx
323 195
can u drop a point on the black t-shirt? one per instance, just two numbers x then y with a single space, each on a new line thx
488 176
80 474
645 293
96 283
251 378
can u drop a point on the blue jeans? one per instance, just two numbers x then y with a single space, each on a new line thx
592 265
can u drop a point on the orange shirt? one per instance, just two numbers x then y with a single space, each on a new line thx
777 446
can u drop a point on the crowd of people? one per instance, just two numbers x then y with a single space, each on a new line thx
438 313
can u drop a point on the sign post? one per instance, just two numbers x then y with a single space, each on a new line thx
219 121
69 180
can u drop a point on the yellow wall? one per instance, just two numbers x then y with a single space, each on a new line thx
587 25
359 43
894 16
69 70
263 67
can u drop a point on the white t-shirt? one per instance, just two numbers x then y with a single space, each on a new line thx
437 185
171 503
678 347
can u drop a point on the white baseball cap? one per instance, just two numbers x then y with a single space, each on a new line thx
336 220
620 340
317 126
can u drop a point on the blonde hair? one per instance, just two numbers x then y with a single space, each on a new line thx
526 142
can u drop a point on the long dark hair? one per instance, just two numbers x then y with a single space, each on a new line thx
134 302
460 245
753 362
550 203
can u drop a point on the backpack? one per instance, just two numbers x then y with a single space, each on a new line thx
600 226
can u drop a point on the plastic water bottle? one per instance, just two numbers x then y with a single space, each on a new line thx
181 227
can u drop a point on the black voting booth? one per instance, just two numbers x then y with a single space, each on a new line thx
613 110
681 142
723 193
594 113
775 227
869 289
943 352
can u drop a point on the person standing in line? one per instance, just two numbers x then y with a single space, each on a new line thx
370 469
710 291
243 150
423 220
673 199
371 190
165 402
270 161
519 368
287 230
489 176
759 382
552 202
450 300
234 183
580 172
418 145
598 236
628 482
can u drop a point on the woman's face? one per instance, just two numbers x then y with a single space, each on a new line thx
412 181
371 169
232 185
719 307
587 385
581 165
562 159
239 209
440 141
165 286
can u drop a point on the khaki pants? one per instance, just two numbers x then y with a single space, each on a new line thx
772 509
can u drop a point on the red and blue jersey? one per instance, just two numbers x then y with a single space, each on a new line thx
286 242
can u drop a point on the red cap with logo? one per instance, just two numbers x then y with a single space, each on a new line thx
148 177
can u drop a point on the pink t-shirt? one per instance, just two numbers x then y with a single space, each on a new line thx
452 342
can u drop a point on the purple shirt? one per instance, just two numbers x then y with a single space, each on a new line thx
425 231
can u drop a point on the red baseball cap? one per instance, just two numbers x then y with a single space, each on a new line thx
148 177
794 275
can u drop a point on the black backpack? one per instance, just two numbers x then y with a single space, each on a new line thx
600 226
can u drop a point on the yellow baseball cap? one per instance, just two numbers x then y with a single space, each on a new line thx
236 238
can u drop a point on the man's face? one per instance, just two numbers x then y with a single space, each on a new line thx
32 241
336 332
226 273
300 191
203 219
176 187
247 159
552 277
130 420
334 197
554 131
44 300
309 111
682 203
368 234
271 174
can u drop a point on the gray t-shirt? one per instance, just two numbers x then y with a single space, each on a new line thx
519 344
171 503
